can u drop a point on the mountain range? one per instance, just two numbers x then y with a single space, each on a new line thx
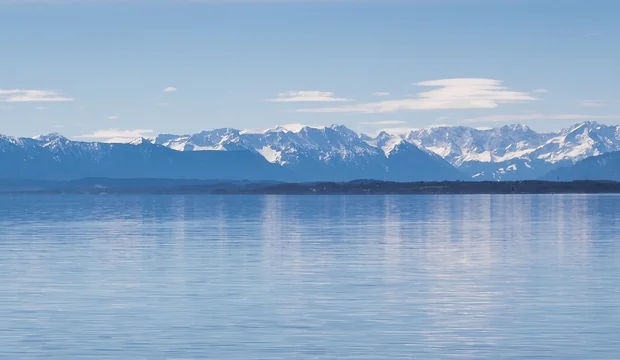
330 153
510 152
54 157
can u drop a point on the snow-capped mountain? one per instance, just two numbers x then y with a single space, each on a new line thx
334 153
306 153
516 152
600 167
53 157
511 152
460 144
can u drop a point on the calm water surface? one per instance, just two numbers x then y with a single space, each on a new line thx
285 277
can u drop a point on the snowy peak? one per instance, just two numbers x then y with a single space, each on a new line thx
142 141
579 142
53 141
387 143
294 128
50 137
514 128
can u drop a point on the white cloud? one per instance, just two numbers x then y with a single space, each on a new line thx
307 96
113 117
384 122
41 108
116 135
170 89
592 103
541 91
461 93
381 93
506 118
19 95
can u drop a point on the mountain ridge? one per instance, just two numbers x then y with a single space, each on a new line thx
330 153
335 154
601 167
508 152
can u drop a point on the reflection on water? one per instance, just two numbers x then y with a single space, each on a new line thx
310 277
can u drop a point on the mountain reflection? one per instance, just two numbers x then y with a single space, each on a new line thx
332 276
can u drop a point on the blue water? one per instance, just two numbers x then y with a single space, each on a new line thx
341 277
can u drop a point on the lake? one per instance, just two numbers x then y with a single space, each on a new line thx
310 277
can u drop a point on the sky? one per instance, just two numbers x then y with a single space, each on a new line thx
95 70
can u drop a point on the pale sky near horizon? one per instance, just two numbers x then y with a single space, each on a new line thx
95 69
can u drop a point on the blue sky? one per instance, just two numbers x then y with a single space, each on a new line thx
98 69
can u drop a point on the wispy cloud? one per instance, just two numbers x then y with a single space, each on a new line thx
464 93
116 135
41 108
587 35
113 117
384 122
592 103
540 91
538 116
381 93
307 96
170 89
19 95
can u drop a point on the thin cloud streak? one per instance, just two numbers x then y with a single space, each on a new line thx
384 122
20 95
592 103
460 93
506 118
307 96
116 135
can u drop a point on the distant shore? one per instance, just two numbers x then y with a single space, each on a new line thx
358 187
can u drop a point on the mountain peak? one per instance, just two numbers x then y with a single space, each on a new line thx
587 124
298 128
141 141
50 137
295 128
516 127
